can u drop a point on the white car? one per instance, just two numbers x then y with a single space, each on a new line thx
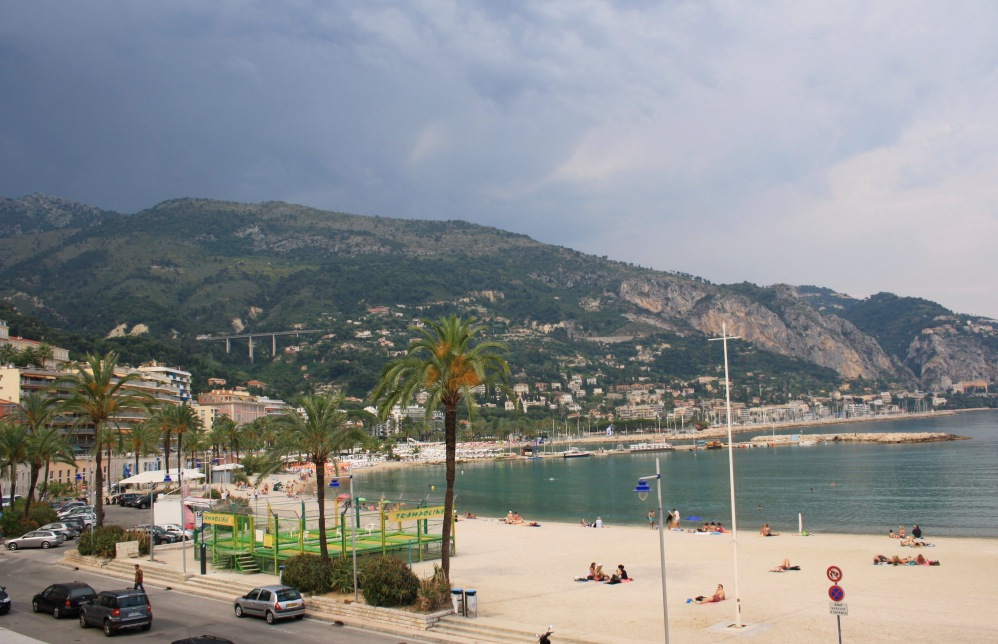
36 539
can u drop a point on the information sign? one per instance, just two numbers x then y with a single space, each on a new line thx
838 608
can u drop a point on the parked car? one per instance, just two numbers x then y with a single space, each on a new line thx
143 502
36 539
177 531
63 599
80 523
77 510
59 506
68 529
159 535
4 601
272 603
128 499
203 639
114 610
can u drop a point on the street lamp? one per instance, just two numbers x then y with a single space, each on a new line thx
643 489
335 483
79 478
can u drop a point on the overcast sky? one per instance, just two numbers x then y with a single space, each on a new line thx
852 145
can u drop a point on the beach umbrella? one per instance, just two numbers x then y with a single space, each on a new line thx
694 519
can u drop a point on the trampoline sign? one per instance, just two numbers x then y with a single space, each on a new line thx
415 514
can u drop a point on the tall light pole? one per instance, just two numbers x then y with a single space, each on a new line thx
731 470
335 483
643 490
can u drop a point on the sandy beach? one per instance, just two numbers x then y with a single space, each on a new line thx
525 579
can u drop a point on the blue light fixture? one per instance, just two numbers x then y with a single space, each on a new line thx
166 478
643 489
334 483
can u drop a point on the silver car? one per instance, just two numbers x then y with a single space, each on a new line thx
36 539
272 603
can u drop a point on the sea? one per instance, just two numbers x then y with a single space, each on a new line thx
947 488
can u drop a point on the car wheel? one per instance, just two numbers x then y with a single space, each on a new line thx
270 617
83 621
11 546
34 606
45 545
239 611
107 628
56 612
146 627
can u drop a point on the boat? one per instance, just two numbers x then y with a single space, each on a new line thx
575 452
652 447
805 443
714 445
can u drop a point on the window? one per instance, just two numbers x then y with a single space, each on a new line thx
265 595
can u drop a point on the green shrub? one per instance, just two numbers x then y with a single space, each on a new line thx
387 581
434 591
141 537
101 541
341 574
14 523
308 573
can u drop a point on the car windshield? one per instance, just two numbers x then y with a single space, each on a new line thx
131 601
287 594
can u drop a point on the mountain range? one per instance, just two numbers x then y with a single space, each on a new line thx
193 267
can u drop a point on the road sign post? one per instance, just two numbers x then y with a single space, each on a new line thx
836 593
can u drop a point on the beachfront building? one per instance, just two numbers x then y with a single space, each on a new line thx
59 356
169 384
240 405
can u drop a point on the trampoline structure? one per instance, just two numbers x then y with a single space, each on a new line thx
260 538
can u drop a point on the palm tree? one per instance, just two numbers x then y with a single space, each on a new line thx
320 432
13 452
225 433
447 365
143 440
46 442
178 419
100 398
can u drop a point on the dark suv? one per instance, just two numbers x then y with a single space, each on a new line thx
114 610
63 599
129 499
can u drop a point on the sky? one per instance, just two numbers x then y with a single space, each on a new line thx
849 145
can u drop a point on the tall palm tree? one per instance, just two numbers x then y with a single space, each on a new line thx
321 431
143 440
13 452
101 399
46 442
225 435
179 420
447 364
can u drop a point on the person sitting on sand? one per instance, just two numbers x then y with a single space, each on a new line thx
765 531
784 566
584 523
621 572
900 532
916 531
716 597
599 575
592 571
509 518
891 535
469 515
517 519
720 528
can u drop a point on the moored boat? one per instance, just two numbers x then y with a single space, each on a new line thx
652 447
575 452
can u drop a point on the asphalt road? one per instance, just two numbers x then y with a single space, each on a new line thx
175 614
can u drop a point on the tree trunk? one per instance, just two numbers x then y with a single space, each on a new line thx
45 483
166 450
32 483
450 441
99 483
180 452
320 481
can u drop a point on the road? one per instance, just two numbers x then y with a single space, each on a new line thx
175 614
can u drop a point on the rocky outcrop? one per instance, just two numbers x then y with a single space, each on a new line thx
943 359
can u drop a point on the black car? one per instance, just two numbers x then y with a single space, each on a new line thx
114 610
129 499
76 522
4 601
63 599
159 535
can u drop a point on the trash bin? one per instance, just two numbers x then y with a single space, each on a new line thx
470 602
457 598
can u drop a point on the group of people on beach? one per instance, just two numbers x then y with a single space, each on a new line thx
514 518
711 527
766 531
598 523
920 560
596 573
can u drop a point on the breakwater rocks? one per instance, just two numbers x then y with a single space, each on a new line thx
872 437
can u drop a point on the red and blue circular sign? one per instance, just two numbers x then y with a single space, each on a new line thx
836 593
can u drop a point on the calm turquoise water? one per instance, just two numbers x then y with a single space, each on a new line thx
947 488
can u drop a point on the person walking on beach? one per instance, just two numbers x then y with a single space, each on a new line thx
138 579
675 519
651 519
